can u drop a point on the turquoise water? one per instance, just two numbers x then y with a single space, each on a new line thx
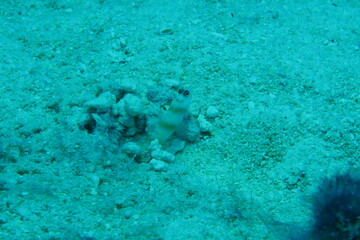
274 110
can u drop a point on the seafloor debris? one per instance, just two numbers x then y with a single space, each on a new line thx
149 127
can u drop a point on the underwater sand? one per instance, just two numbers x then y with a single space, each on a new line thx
283 75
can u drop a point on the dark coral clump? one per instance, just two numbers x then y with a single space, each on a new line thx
337 209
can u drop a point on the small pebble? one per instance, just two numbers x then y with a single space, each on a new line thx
205 126
158 165
212 112
131 149
133 105
102 102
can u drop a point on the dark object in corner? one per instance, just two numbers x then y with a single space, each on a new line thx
337 209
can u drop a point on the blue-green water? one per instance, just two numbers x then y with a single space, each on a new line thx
274 110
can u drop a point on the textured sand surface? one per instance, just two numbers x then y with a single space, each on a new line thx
284 76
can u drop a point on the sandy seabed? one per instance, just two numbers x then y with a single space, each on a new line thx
282 77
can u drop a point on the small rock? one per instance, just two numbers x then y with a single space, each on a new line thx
205 126
95 180
133 105
100 122
158 165
103 102
163 156
131 149
212 112
192 133
118 108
